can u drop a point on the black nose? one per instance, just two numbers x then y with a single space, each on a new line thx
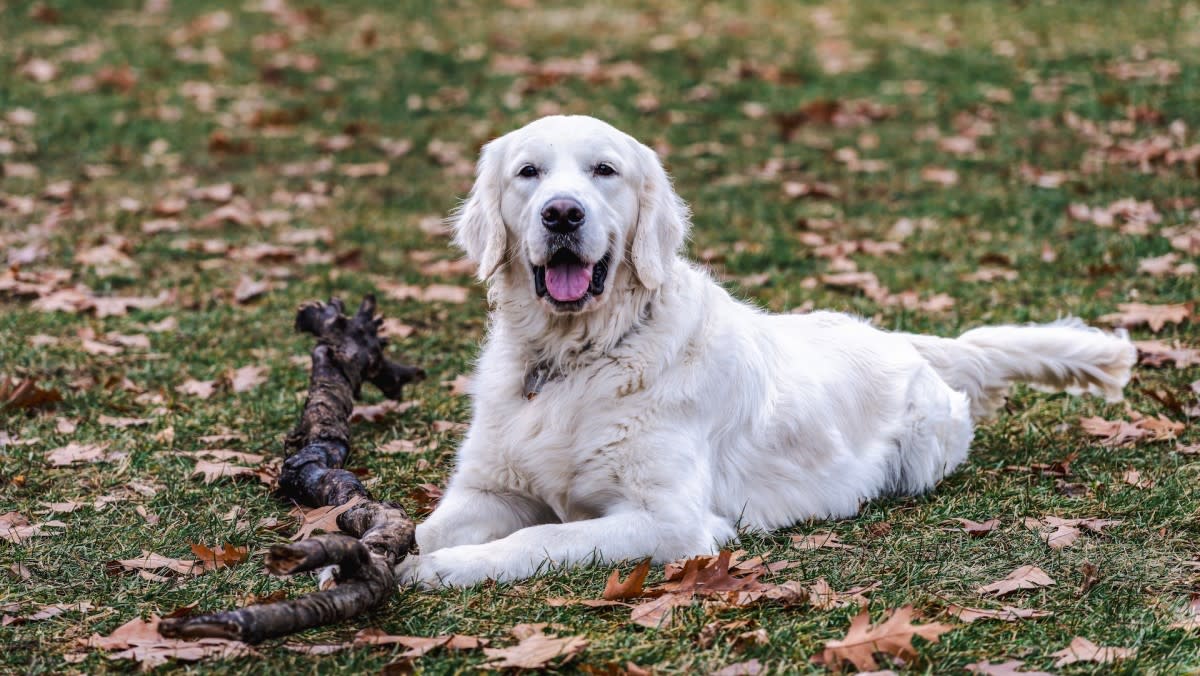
562 215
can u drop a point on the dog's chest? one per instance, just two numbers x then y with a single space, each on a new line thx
563 444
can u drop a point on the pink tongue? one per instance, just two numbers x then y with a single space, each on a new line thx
568 282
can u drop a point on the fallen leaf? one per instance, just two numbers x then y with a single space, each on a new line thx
211 471
659 613
150 517
400 446
140 641
151 561
1134 478
223 454
110 421
1025 577
426 496
1116 433
460 267
819 540
976 529
221 556
48 611
40 71
394 328
364 169
248 289
1005 614
198 388
63 507
798 189
448 426
323 519
1154 316
892 636
247 378
15 527
418 645
989 273
824 597
939 175
1066 531
377 412
220 193
26 395
536 650
434 292
76 453
98 348
1083 650
1158 353
632 587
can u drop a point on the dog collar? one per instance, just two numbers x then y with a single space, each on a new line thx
537 376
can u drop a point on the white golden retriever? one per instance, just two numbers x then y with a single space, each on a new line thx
625 406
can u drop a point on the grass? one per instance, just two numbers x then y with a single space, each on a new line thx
429 72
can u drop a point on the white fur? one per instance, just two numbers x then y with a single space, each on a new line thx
678 413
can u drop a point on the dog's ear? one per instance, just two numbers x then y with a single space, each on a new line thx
478 226
662 223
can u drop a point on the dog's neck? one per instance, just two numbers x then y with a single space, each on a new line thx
553 344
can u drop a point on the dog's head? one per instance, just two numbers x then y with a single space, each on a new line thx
570 205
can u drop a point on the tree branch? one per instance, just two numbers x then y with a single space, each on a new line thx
349 352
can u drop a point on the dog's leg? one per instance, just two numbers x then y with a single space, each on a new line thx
470 515
617 537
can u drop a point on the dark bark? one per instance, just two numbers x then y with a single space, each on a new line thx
349 352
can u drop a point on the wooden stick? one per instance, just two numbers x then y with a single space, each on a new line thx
349 352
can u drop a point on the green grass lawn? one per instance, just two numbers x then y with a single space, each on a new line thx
113 114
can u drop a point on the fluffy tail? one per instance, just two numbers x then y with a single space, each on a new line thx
1066 356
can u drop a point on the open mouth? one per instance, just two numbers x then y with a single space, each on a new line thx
567 281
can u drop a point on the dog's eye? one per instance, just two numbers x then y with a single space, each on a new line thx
528 171
604 169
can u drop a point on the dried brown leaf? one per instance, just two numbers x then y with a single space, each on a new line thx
1082 650
1158 353
1154 316
536 650
977 529
632 587
892 636
211 471
377 412
75 453
26 395
323 519
140 641
1025 577
198 388
247 378
151 561
818 541
221 556
1005 614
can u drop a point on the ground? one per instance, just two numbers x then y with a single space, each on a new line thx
956 144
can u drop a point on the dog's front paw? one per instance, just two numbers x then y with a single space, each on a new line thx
452 567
